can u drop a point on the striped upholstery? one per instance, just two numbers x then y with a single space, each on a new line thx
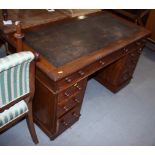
14 76
12 113
14 83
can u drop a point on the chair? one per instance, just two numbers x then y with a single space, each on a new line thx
17 90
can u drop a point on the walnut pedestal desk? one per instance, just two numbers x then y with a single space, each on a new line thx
70 51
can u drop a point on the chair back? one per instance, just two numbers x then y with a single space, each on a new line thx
14 77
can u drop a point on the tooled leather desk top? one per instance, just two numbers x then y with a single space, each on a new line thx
64 42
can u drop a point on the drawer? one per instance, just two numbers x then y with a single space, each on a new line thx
66 106
131 61
100 63
134 47
70 80
85 72
133 55
68 120
71 91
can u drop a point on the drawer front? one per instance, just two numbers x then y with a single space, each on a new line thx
66 106
88 70
132 60
68 120
137 46
70 80
71 91
127 66
100 63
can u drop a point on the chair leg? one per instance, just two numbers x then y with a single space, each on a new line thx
30 124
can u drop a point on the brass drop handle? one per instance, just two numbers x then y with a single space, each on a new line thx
75 115
126 49
132 54
65 108
64 123
67 94
78 87
101 62
76 100
68 80
81 73
140 51
138 43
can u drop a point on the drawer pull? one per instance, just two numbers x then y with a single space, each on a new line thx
140 51
132 54
126 49
78 87
65 108
81 73
101 62
76 100
67 94
68 80
75 115
138 43
64 123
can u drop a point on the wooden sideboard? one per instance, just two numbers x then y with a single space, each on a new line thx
102 45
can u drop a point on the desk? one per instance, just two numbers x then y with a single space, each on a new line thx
71 50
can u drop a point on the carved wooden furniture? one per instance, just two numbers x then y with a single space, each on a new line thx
70 51
17 89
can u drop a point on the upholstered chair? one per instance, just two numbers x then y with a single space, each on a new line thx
17 90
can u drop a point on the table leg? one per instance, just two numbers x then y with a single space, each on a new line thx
5 14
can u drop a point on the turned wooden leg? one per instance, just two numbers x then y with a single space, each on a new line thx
31 125
5 14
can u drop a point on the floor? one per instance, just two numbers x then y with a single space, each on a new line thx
125 118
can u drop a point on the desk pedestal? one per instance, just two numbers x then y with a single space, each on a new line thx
54 112
118 74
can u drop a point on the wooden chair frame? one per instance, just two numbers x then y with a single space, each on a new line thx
28 97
